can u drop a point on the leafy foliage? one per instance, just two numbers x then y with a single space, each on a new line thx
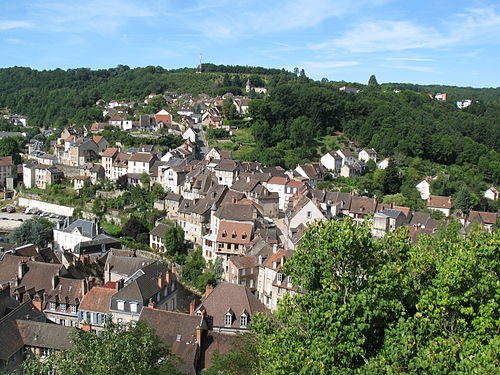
134 350
37 231
384 306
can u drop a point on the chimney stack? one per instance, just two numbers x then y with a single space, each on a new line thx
152 304
192 307
159 281
198 335
208 290
21 269
119 285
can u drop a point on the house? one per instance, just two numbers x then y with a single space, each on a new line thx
190 134
441 97
229 308
119 167
68 235
243 270
7 172
259 90
347 156
492 193
439 203
312 172
278 185
101 142
348 89
215 153
226 171
40 176
361 207
183 333
487 220
367 154
78 151
386 221
304 211
232 238
25 332
424 188
164 117
461 104
140 162
121 265
332 161
95 172
384 163
270 287
94 308
292 189
157 237
241 105
153 285
108 157
353 170
61 303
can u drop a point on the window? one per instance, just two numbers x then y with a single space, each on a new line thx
280 291
280 277
52 306
120 305
45 352
243 320
63 306
228 319
251 283
309 214
133 307
290 282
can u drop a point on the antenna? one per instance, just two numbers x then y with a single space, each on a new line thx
199 66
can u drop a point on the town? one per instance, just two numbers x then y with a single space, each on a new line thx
240 220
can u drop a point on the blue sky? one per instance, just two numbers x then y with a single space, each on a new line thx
446 42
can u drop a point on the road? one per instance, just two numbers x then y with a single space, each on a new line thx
201 141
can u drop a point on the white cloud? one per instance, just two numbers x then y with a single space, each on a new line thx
418 59
416 68
7 25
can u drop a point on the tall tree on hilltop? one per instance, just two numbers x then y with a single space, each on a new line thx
372 82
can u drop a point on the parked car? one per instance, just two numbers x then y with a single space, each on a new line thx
11 209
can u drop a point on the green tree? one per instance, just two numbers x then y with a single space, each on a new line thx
135 350
37 231
10 147
463 200
133 228
391 179
372 82
174 240
99 207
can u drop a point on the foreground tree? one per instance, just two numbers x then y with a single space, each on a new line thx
384 306
37 231
135 350
174 240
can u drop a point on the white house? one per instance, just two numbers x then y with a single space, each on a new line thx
424 188
189 134
70 235
347 156
331 161
367 154
384 163
492 193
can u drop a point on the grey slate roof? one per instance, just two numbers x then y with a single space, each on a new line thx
87 228
124 265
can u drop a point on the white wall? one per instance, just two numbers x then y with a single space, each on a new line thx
46 207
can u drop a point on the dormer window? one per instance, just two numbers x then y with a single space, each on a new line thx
224 234
280 277
289 282
120 305
72 308
228 320
243 320
243 235
52 305
233 235
63 306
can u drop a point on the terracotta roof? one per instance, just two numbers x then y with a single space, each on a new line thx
485 217
109 152
278 258
97 299
297 184
6 161
278 180
97 138
439 201
234 232
70 138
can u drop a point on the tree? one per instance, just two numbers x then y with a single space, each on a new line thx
133 228
174 240
135 350
372 82
391 179
99 207
229 109
385 306
37 231
10 147
463 200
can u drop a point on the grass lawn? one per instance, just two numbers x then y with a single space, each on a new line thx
112 229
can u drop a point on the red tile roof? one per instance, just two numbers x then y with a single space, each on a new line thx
278 180
234 232
439 201
97 299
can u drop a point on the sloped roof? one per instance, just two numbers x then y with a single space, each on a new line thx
235 212
139 289
160 230
437 201
234 232
86 227
97 299
109 152
125 265
227 296
485 217
362 205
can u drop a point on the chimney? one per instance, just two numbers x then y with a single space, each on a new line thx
275 248
119 285
159 281
208 290
21 269
5 290
198 335
55 281
192 306
84 286
174 268
37 302
167 278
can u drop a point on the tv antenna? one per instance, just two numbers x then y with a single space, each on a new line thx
199 66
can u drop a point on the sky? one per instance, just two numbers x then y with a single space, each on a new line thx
449 42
